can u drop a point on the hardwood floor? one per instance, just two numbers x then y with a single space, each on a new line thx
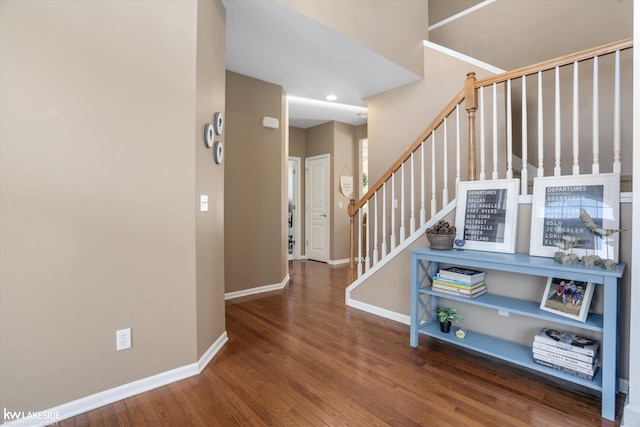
300 357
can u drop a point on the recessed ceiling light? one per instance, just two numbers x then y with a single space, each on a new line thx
331 98
363 115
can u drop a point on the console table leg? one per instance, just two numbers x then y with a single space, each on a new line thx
610 342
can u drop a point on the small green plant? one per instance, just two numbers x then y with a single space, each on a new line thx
446 314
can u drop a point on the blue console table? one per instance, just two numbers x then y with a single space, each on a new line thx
425 263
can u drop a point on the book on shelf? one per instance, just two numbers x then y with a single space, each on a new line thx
459 294
438 286
567 341
565 361
573 372
563 352
462 274
456 283
576 373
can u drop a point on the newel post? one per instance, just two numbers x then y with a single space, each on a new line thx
471 105
351 271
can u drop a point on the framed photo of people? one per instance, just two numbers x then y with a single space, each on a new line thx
576 214
487 214
567 297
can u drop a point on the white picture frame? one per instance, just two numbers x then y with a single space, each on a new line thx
487 214
568 298
558 202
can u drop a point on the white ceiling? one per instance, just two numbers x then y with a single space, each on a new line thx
271 42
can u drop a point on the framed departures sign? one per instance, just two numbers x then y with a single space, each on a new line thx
487 214
559 209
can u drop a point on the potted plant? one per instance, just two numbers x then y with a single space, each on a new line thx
447 315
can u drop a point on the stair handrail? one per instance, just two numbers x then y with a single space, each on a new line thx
469 95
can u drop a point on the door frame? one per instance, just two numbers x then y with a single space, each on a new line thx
307 211
297 237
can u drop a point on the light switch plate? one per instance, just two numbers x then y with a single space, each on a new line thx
204 203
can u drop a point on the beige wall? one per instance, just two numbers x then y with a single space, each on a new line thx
389 289
398 117
345 149
393 29
210 98
255 185
568 26
443 9
99 165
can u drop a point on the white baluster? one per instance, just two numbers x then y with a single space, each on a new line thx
433 173
616 117
359 269
458 154
367 259
494 173
524 174
576 121
375 228
482 134
540 128
557 170
595 165
393 211
412 219
423 212
445 162
384 219
509 133
402 203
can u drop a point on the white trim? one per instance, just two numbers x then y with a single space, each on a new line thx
631 417
460 14
463 57
338 261
208 355
258 290
382 312
106 397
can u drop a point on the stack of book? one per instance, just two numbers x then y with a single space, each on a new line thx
566 352
461 282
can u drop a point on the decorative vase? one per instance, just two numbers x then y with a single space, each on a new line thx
441 241
445 327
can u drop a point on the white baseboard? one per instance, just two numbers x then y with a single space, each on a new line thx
631 416
258 290
106 397
378 311
338 261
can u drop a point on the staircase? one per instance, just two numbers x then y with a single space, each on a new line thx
558 117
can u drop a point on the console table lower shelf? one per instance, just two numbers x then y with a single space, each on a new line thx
425 264
508 351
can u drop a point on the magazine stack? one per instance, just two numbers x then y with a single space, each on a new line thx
461 282
566 352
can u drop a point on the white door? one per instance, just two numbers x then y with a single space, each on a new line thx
317 196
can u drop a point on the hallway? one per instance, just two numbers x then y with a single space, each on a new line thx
300 357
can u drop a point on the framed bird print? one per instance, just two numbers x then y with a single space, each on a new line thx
576 214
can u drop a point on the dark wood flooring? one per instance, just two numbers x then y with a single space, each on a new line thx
300 357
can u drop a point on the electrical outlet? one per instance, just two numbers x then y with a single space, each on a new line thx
123 339
504 313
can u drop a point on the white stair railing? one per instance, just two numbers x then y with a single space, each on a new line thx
387 217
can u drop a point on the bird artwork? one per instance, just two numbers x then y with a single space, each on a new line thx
591 225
